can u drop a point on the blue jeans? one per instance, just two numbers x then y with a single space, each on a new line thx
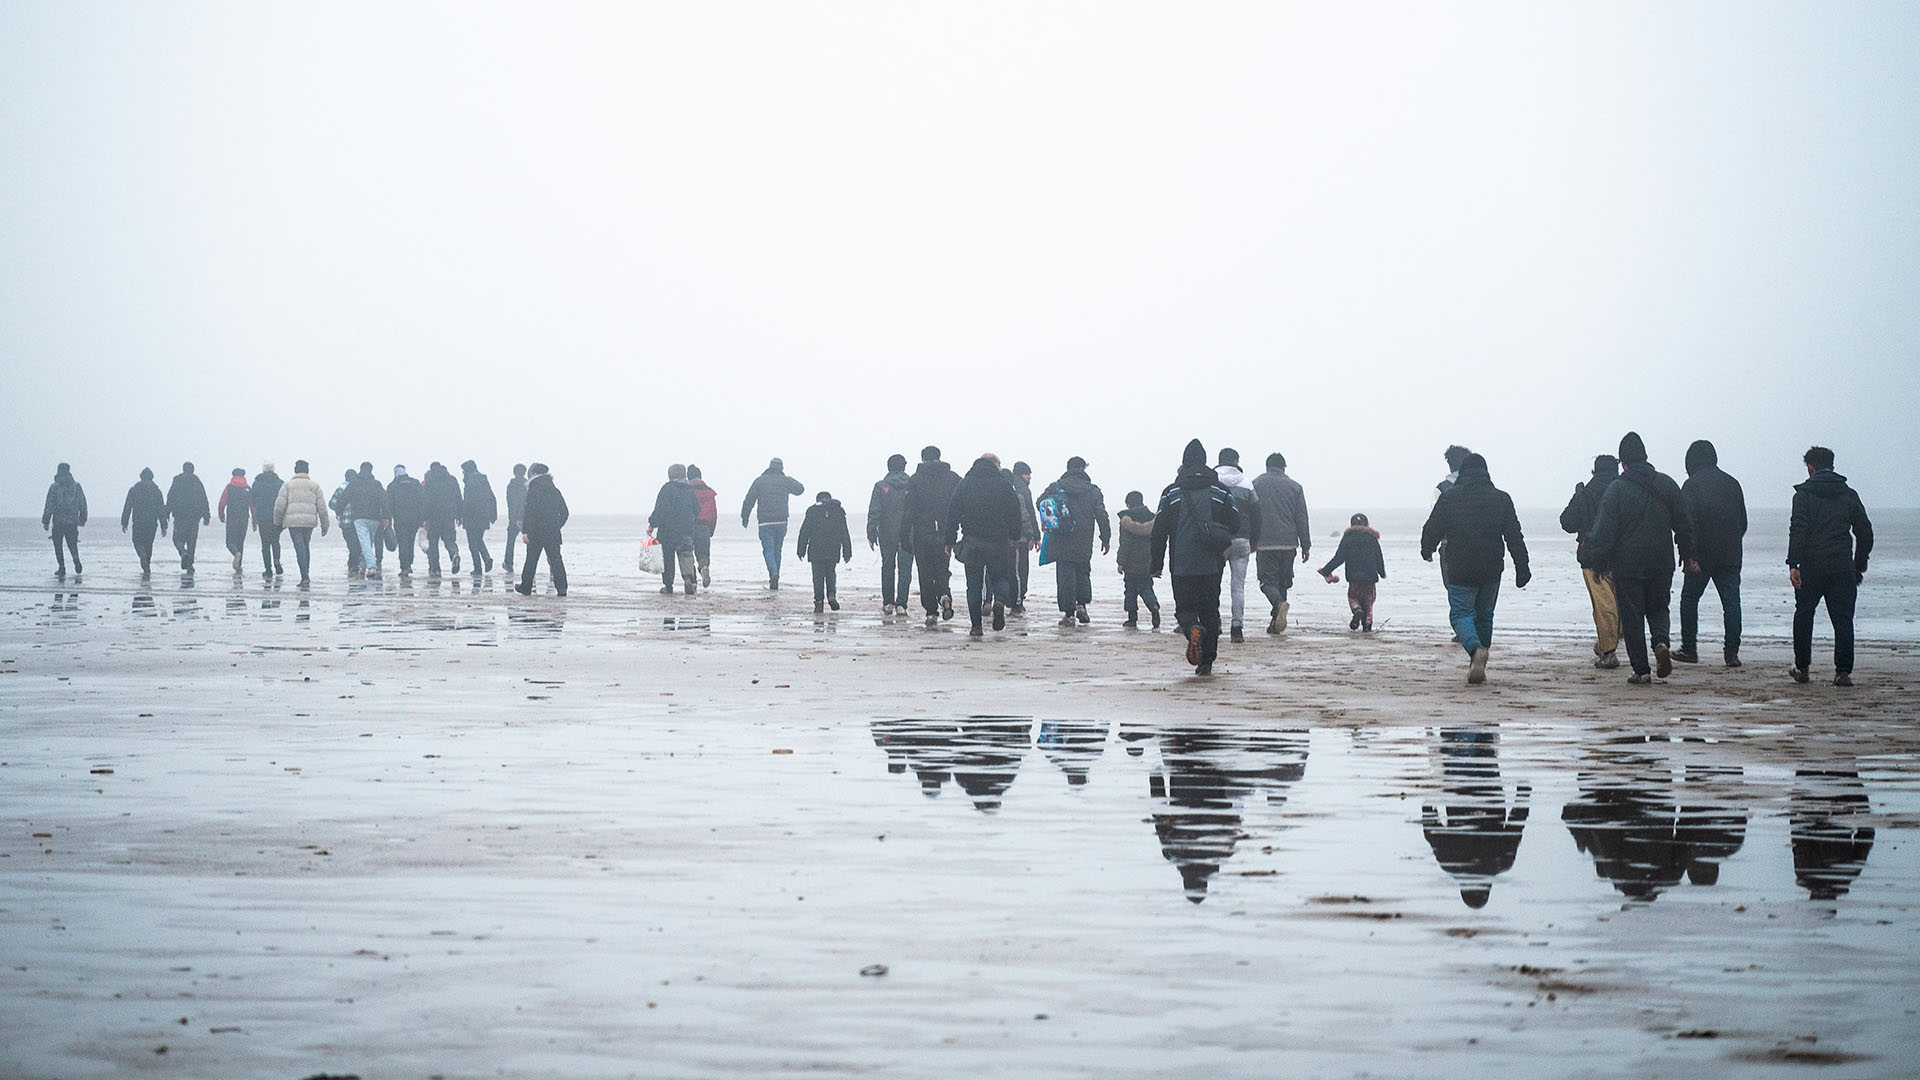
371 550
1072 584
989 580
1726 581
773 538
1470 610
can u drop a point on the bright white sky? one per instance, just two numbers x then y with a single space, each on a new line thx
614 237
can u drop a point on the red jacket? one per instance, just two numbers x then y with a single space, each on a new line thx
709 514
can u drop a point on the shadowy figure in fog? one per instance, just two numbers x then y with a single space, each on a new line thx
769 493
1476 836
441 493
479 509
1135 560
343 513
299 508
1714 505
929 498
1072 745
676 509
1206 774
1578 518
1021 477
144 511
886 532
266 494
1641 523
516 495
1830 843
981 753
407 509
188 507
1471 522
366 514
704 524
65 512
983 527
1828 541
1641 839
824 541
545 514
239 495
1192 532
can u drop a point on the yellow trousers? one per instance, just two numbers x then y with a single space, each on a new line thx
1606 613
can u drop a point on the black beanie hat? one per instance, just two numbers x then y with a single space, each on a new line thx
1632 450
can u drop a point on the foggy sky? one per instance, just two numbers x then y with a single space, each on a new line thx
614 237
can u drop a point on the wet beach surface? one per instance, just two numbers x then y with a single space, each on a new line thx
442 830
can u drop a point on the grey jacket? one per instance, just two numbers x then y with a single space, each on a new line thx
1244 502
770 491
1282 507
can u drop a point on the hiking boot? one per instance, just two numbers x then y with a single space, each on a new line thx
1608 660
1080 614
1733 659
1132 623
1237 635
1203 669
666 590
975 632
1366 628
1155 612
1194 634
832 601
946 606
999 616
1354 623
819 606
1067 619
690 587
932 621
1477 667
1280 619
1686 656
1843 679
1799 674
523 590
1642 679
1662 662
706 577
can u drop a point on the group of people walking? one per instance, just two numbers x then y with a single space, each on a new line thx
1211 525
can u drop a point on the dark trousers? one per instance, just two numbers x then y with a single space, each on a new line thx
356 559
1644 604
703 544
1274 570
68 535
936 573
406 537
439 534
989 578
236 536
556 569
270 548
1022 569
1196 602
1139 588
896 575
186 538
477 549
825 581
302 549
513 536
1839 588
143 541
1072 584
1726 581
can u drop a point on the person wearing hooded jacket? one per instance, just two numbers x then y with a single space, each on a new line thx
478 511
516 513
299 508
65 512
188 507
1072 550
440 492
367 514
982 529
240 494
266 492
886 521
1283 529
1717 509
823 542
769 492
1245 538
676 510
1828 541
929 498
1474 520
406 508
1021 476
1641 522
1191 535
1578 519
1134 560
144 511
1360 553
704 524
544 514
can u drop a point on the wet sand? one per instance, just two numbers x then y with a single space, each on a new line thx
255 832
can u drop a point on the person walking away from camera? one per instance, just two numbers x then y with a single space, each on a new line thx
1283 529
983 528
188 507
367 510
1366 564
769 492
407 509
704 524
1192 533
1828 541
929 498
65 512
1245 538
1072 547
144 511
675 510
542 516
1578 519
1714 505
886 531
266 493
1474 521
479 509
299 508
1135 525
441 493
516 513
1022 476
338 504
824 542
239 493
1641 522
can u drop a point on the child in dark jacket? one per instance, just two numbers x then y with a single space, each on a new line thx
824 541
1136 559
1360 551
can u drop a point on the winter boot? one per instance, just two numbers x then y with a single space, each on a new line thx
1280 618
1133 621
1477 667
999 615
1844 678
1155 612
1662 661
1194 634
1354 623
974 631
833 602
1733 659
1238 635
1080 614
1799 674
690 586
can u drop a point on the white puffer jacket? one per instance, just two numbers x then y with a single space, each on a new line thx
302 504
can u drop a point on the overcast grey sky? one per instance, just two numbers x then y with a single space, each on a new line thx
613 237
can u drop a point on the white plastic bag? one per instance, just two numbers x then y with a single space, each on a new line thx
650 556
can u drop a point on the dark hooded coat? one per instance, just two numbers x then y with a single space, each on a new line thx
929 496
1640 524
1359 551
66 502
987 508
675 510
187 499
1828 519
478 506
366 498
406 503
545 512
145 506
1716 509
823 534
1584 507
266 492
887 509
440 492
1476 520
1195 497
1086 511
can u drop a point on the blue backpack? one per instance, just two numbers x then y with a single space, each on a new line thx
1055 517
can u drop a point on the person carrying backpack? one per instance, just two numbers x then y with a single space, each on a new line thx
1192 533
1075 506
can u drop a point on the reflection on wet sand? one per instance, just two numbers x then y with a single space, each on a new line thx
1830 845
1206 774
980 754
1645 836
1476 835
1072 745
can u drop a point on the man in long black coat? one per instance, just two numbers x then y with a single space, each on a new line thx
144 511
1641 522
676 509
1474 521
407 509
1192 531
983 527
929 497
544 514
187 505
1826 563
1716 508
